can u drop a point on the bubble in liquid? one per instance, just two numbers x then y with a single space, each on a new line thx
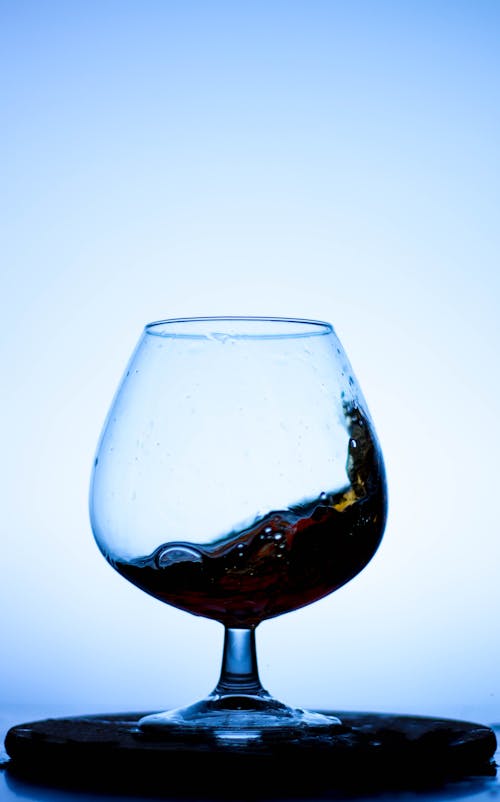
177 554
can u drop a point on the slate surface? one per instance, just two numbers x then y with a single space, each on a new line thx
369 751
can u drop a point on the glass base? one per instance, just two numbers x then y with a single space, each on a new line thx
238 718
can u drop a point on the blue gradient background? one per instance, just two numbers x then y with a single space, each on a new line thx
316 159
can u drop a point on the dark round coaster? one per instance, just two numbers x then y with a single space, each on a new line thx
369 750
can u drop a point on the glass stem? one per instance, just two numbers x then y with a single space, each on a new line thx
239 673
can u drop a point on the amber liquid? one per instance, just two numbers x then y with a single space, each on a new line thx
286 559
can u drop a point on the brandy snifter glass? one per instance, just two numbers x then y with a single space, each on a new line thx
238 477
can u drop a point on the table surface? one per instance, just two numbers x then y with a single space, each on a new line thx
475 789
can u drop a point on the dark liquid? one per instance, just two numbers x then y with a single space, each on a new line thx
285 560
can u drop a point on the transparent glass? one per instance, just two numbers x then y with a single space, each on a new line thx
238 477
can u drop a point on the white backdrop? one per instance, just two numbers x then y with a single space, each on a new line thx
312 159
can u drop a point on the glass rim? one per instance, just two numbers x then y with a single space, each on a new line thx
238 327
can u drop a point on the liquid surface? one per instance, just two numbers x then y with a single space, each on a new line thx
286 559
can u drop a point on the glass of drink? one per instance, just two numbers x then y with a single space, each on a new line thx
238 477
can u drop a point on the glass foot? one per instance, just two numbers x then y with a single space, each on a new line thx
238 718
